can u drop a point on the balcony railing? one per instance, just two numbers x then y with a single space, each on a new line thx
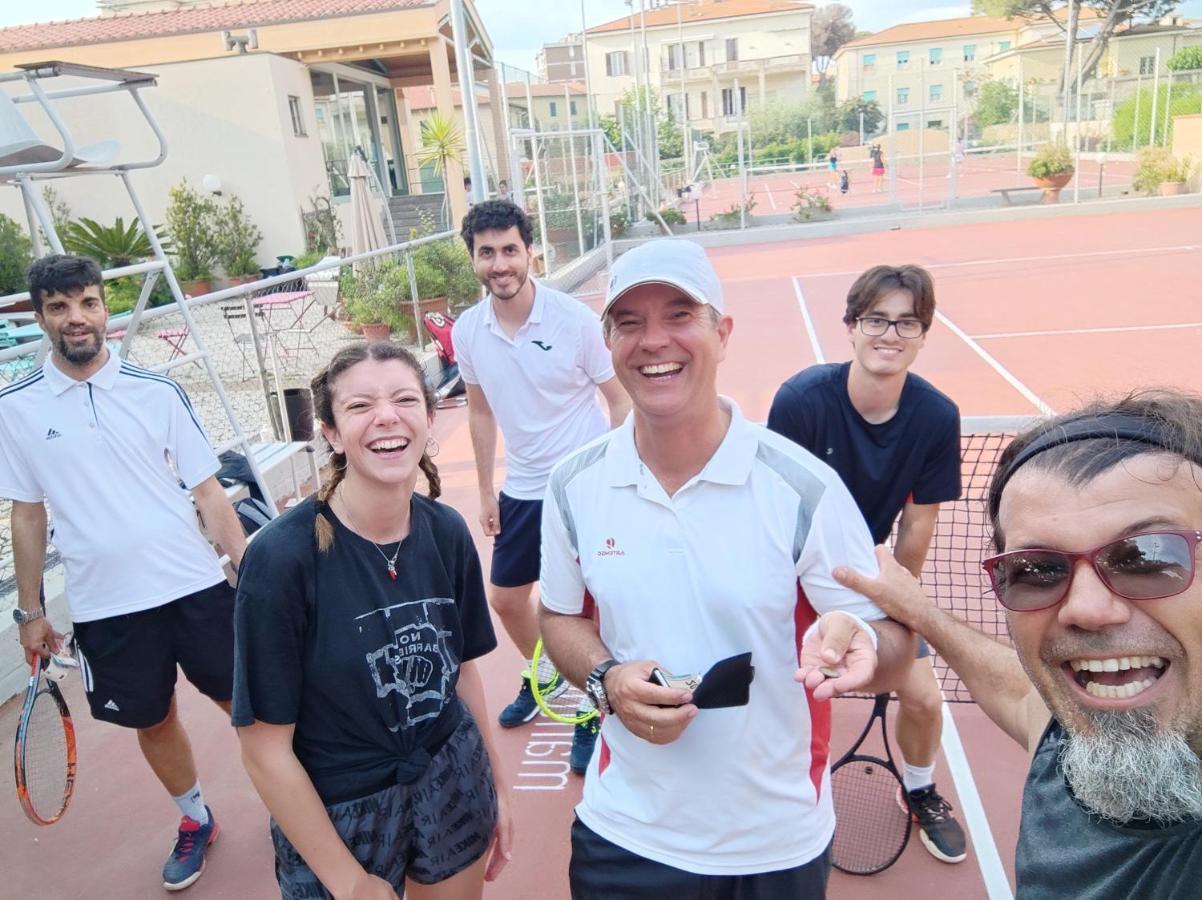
768 64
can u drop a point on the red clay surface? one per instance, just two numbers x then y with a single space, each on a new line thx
1135 271
913 184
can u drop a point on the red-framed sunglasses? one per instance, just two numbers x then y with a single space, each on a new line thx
1151 565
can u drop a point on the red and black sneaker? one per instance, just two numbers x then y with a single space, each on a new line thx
187 859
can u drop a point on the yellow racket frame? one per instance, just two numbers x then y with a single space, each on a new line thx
541 696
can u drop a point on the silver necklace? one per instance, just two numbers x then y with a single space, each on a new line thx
390 562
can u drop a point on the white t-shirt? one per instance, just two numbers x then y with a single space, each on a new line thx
541 384
108 455
715 570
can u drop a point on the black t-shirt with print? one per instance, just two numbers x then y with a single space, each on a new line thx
364 666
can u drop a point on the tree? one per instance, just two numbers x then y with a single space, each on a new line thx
609 124
848 116
671 137
830 28
16 253
1187 59
1113 14
997 104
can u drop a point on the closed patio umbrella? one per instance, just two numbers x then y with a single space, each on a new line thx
367 231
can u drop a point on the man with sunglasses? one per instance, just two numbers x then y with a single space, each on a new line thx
1097 519
895 441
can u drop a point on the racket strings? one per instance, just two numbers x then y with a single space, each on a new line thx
871 829
45 758
556 696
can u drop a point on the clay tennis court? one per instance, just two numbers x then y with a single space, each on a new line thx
1033 315
926 183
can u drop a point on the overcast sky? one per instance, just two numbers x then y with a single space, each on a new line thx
519 28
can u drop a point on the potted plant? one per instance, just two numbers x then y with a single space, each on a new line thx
1052 169
671 216
1159 172
619 223
442 144
446 279
375 301
114 246
192 226
239 239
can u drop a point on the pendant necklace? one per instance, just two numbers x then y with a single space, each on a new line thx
390 562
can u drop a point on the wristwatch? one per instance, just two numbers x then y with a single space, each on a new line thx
21 617
594 686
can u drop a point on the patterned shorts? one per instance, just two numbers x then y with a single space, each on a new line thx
428 831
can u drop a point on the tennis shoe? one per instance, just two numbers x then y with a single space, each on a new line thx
524 707
941 834
584 739
187 859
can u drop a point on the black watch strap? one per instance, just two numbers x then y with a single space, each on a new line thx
594 685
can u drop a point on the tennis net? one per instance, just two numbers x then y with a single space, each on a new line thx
953 576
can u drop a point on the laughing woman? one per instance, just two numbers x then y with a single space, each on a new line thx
358 616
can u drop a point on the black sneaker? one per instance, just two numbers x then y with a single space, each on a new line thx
941 834
187 859
524 707
584 738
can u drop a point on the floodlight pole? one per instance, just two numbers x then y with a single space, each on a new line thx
1077 139
1155 99
588 85
467 90
1070 37
1022 116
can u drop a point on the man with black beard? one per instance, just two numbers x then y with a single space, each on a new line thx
107 445
1097 519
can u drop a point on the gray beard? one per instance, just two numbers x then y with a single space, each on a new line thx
1126 769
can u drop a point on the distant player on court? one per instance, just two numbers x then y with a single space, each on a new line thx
895 441
107 445
532 359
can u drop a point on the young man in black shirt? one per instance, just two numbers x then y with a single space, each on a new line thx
895 441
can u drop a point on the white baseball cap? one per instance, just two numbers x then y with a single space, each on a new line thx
675 262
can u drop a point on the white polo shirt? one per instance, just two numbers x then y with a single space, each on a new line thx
541 383
101 452
712 571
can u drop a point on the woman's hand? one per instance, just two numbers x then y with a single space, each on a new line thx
501 850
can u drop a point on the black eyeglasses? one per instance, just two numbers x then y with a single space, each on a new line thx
875 326
1147 566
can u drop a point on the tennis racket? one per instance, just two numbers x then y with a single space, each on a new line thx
44 755
871 829
555 695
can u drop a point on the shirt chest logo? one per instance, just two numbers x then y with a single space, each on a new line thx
52 434
541 345
611 549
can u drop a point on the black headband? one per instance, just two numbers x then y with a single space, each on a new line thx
1114 426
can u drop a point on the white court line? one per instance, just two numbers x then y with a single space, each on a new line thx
771 199
993 873
809 323
1092 254
1007 376
1120 329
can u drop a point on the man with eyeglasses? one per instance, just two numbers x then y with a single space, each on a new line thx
895 441
1096 517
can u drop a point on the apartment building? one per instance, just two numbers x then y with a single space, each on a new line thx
561 61
704 58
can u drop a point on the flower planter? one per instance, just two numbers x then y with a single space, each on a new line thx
236 280
1172 188
376 331
196 287
1053 184
434 304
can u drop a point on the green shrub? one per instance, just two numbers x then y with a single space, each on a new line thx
1187 59
16 253
670 214
1051 160
809 202
239 239
619 222
1185 100
1157 166
111 246
192 223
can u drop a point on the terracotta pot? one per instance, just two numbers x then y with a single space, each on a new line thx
434 304
376 331
1172 188
1056 181
236 280
197 287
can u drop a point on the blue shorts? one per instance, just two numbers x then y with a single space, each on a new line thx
515 551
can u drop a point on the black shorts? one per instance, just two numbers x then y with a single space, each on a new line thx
128 662
601 870
515 551
427 831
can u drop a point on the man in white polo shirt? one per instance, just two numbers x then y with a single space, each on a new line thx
532 359
697 536
106 445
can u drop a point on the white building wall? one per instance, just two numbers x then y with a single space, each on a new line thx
227 117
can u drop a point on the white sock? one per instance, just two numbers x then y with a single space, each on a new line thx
192 804
917 777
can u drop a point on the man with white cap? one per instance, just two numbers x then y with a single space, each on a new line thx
699 538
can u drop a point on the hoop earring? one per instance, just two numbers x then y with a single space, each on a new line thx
432 447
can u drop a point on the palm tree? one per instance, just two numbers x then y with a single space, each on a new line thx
442 143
